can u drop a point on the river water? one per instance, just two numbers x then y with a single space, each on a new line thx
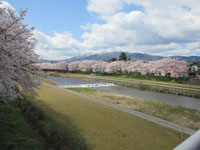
183 101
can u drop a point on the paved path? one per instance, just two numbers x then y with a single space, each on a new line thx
133 112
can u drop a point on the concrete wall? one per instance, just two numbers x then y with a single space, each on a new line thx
194 81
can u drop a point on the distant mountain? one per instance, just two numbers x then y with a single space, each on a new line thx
48 61
145 57
134 56
110 55
189 59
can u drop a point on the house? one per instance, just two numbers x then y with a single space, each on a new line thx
194 70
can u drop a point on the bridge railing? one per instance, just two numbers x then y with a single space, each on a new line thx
191 143
55 70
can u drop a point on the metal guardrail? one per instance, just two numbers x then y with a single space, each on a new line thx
192 143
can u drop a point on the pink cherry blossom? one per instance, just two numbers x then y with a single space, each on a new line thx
17 56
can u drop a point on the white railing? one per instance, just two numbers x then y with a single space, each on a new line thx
192 143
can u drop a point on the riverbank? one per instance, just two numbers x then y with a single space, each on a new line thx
25 127
15 133
78 75
156 86
103 126
176 114
53 134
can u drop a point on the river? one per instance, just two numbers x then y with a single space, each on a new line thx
188 102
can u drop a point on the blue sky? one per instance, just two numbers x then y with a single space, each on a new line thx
53 15
68 28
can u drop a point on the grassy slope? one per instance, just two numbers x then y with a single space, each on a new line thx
15 133
47 81
176 114
134 80
107 128
62 136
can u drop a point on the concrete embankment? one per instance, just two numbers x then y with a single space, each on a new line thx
194 81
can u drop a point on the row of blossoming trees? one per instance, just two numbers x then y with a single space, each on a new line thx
163 67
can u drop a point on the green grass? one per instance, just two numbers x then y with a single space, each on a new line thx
102 126
15 133
62 136
180 115
47 81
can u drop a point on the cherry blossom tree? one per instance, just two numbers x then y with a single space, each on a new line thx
114 67
44 65
173 67
17 57
60 65
163 67
86 65
74 66
99 66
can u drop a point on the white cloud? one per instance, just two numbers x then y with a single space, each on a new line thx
183 52
162 25
58 41
104 7
170 27
194 45
59 46
4 4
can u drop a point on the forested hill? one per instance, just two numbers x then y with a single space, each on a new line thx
132 56
110 55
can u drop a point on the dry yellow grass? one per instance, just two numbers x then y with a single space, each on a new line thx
176 114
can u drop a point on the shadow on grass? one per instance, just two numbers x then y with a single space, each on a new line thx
64 134
15 133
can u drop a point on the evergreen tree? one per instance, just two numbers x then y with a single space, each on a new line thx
122 56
